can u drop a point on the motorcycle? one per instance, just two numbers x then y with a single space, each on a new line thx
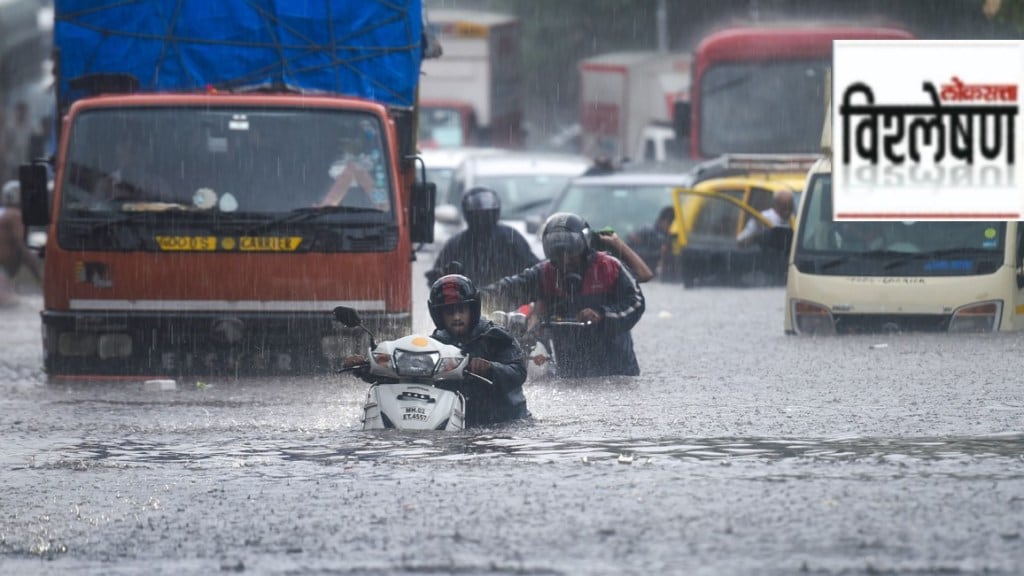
408 376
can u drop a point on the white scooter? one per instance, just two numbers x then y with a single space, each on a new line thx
406 374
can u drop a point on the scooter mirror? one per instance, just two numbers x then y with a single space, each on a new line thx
347 316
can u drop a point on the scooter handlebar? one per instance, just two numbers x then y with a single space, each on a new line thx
353 368
561 322
480 378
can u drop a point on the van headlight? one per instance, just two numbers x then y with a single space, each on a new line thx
811 318
977 317
415 364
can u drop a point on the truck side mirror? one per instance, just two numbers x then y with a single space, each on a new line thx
421 212
35 197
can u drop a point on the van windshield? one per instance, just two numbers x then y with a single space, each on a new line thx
260 162
908 248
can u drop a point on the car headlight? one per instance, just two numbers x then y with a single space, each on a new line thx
415 364
811 318
978 317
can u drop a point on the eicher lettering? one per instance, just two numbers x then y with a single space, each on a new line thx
899 131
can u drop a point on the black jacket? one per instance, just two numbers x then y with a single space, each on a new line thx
606 286
503 400
485 257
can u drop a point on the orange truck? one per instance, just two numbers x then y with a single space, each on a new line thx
222 183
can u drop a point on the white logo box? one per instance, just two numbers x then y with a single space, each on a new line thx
927 130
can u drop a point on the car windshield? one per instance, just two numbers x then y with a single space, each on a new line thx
524 194
247 160
892 248
742 113
625 208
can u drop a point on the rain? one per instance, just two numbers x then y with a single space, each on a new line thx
738 449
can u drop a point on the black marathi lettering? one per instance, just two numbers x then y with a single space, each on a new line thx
936 126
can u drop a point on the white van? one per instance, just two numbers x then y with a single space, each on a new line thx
869 277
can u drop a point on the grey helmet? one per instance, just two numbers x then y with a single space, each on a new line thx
565 233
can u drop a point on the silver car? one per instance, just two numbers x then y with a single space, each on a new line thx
623 201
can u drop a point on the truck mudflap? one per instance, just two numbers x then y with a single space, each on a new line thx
117 344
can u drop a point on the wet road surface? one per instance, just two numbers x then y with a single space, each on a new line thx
738 451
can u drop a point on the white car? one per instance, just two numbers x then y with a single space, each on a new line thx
525 181
440 164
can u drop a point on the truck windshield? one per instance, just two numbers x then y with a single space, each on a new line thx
909 248
256 162
762 107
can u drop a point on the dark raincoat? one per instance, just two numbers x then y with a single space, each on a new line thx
486 256
503 400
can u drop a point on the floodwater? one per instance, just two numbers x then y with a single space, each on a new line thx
738 451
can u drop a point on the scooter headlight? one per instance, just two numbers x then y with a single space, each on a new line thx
449 363
415 364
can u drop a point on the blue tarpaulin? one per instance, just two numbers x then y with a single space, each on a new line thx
365 48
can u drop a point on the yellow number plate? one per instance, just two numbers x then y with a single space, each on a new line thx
269 243
229 243
187 243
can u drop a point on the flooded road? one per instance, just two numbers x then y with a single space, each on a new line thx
737 451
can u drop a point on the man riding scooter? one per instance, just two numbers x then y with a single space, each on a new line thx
494 354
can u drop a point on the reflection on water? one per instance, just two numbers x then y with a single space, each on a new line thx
397 446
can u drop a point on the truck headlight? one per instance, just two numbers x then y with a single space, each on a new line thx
977 317
76 344
114 346
415 364
811 318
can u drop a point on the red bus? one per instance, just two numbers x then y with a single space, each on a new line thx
762 89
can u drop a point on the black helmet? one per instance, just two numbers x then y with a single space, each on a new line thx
565 233
482 208
451 290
